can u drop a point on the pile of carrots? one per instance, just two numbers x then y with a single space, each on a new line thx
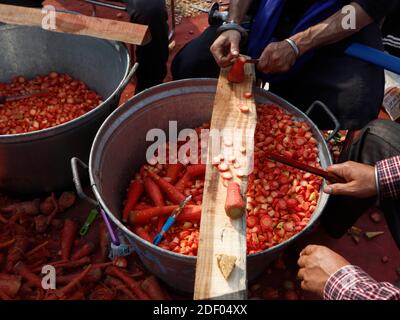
37 233
64 99
280 199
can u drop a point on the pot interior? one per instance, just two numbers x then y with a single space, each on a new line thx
30 51
120 145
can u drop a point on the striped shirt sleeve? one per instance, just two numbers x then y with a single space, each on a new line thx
352 283
388 175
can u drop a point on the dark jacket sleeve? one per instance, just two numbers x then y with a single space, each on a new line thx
377 9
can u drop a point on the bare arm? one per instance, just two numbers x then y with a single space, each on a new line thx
238 10
330 30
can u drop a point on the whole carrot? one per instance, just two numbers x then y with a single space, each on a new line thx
154 192
68 238
7 243
65 290
28 275
190 213
134 193
83 251
151 286
16 252
234 204
172 193
141 232
173 171
131 283
183 182
118 285
196 170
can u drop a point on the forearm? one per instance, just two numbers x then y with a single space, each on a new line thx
330 30
238 10
352 283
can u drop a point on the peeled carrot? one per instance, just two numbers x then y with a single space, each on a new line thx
154 192
68 238
28 275
173 171
174 195
83 251
190 213
183 182
141 206
141 232
131 283
236 74
134 192
144 216
151 286
196 170
234 204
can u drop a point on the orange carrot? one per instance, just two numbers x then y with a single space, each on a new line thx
16 252
236 74
154 192
83 251
134 192
141 232
10 284
183 182
145 215
141 206
68 238
172 193
4 296
173 171
117 284
65 290
196 170
151 286
7 243
190 213
234 204
126 279
28 275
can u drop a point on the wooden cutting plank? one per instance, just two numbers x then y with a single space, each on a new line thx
218 233
77 24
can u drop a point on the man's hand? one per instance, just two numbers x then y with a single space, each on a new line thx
225 48
317 264
277 57
360 180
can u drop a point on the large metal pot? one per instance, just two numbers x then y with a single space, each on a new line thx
119 150
37 162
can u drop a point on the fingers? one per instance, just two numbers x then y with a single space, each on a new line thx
341 169
302 261
308 250
300 274
345 189
234 49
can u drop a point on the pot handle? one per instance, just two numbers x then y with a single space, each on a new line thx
330 114
128 78
75 162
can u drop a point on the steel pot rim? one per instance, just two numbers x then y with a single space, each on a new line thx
208 81
72 124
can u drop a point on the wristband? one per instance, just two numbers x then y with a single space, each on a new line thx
231 25
294 47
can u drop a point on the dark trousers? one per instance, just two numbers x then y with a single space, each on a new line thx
153 57
379 140
351 88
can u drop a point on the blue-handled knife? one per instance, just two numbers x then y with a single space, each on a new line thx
171 220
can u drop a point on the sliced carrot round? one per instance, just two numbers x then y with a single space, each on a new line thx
244 109
226 175
223 167
247 95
